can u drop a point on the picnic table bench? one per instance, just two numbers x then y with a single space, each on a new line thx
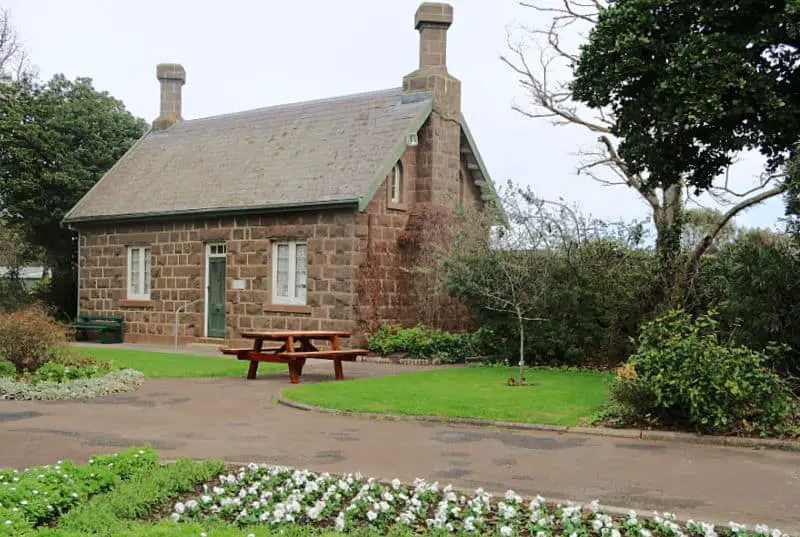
295 347
109 327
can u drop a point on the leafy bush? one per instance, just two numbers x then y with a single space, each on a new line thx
754 283
420 342
7 370
682 376
119 381
27 337
43 493
589 298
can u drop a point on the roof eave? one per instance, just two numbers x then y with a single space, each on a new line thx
216 211
488 184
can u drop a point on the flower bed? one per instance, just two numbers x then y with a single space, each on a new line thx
41 494
125 380
278 496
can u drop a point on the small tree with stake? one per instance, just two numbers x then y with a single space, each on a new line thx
493 265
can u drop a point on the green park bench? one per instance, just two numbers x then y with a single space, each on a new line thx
109 326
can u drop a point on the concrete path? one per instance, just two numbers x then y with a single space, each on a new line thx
236 419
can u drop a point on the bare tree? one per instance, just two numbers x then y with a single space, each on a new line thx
544 58
14 60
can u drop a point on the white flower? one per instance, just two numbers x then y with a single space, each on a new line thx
23 502
339 525
395 483
175 516
505 531
615 533
597 524
372 515
179 508
203 534
8 522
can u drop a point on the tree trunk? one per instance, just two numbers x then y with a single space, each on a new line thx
521 351
669 225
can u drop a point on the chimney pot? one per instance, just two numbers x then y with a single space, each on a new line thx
172 77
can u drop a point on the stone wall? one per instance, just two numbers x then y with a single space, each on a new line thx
178 273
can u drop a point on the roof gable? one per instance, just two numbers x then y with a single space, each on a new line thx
316 153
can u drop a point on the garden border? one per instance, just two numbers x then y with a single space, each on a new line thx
637 434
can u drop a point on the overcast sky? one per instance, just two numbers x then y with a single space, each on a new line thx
242 54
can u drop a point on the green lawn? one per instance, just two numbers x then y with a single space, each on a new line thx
169 365
556 397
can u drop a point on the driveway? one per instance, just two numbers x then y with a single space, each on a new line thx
237 420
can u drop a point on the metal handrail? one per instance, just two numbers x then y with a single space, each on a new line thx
177 318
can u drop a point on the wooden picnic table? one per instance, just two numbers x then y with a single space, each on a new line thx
295 347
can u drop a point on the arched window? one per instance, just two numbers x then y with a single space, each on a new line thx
396 184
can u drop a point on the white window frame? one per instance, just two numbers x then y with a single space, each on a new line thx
291 300
396 184
144 252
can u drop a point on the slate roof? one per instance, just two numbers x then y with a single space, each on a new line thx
324 152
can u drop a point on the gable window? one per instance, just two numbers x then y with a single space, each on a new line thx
138 273
289 271
396 184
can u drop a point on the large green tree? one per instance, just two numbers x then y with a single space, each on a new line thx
693 82
545 58
56 140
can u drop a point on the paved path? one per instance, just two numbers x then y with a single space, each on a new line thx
236 419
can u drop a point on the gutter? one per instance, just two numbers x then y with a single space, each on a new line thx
217 211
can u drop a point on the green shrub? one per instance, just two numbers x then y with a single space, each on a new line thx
590 297
754 283
27 337
682 376
111 513
420 342
7 370
41 494
65 365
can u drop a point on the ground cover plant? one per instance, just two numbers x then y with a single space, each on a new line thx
174 365
554 396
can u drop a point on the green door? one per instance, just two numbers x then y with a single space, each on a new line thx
216 297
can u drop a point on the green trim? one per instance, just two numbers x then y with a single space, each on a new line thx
222 211
487 179
399 148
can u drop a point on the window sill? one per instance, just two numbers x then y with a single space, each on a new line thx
287 308
397 205
135 303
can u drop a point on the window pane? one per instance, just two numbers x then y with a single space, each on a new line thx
300 271
396 183
133 276
146 284
282 272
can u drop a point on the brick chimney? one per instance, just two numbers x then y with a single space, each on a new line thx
439 150
172 77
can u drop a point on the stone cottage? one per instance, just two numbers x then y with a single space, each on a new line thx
268 218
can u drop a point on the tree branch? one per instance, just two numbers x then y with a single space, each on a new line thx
708 239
